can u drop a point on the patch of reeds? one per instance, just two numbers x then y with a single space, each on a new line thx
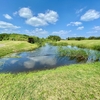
78 54
58 43
96 47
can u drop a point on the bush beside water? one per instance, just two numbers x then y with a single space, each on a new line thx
79 54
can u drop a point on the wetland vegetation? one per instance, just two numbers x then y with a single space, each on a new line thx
66 82
90 44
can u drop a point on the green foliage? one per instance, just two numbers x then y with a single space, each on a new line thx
22 37
76 38
96 47
54 38
13 37
58 43
84 38
79 54
94 38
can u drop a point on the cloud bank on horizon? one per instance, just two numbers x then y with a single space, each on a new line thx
44 18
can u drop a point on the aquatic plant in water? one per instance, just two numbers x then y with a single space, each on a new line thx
78 54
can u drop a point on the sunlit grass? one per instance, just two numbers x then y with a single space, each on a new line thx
74 82
15 46
92 44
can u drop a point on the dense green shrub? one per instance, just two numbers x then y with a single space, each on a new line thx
54 38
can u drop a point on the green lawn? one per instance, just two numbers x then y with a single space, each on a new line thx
74 82
7 47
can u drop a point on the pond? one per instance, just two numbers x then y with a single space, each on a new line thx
45 57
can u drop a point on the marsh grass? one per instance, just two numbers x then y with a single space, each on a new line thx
58 43
15 46
74 82
91 44
78 54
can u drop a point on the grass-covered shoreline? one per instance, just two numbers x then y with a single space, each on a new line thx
74 82
8 47
91 44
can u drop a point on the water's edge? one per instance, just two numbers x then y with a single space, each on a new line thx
45 57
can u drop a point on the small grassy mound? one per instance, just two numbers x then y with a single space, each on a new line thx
15 46
74 82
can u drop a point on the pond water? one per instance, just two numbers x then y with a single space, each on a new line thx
45 57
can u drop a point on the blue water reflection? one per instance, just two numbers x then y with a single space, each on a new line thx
45 57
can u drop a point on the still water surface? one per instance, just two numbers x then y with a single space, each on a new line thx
45 57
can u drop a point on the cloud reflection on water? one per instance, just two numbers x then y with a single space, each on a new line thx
40 60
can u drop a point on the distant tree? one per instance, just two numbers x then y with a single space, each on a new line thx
91 38
54 38
94 38
76 38
80 38
31 40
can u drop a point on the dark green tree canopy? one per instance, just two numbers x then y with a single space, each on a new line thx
54 38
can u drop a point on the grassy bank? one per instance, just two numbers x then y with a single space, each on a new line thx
74 82
7 47
91 44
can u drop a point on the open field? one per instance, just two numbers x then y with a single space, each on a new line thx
91 44
74 82
7 47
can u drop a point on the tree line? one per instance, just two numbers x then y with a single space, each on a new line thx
83 38
18 37
34 39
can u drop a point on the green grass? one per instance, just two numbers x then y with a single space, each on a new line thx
74 82
15 46
78 54
91 44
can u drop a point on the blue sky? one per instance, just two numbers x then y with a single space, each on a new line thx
65 18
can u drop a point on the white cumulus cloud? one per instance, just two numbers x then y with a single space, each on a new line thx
61 32
50 16
7 25
80 28
42 19
74 24
25 13
7 16
37 32
35 21
97 28
90 15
